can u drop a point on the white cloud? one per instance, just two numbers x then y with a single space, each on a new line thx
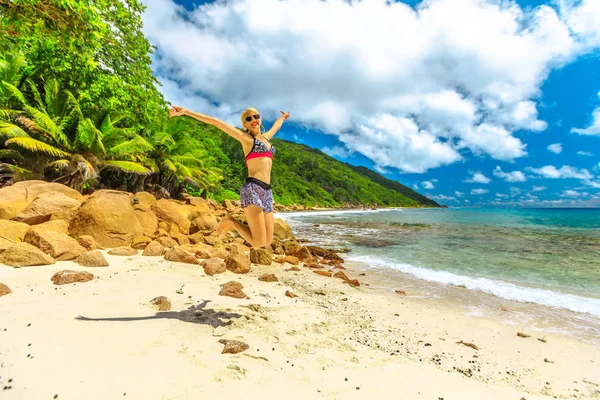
479 191
448 76
514 190
566 171
572 193
592 184
556 148
429 184
441 197
459 194
337 151
538 188
502 196
585 153
478 177
594 127
515 176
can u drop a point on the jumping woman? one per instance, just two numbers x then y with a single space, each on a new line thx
255 195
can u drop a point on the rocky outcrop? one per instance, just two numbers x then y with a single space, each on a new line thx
205 223
15 198
54 225
68 276
282 230
291 247
57 245
304 254
6 243
107 216
260 256
213 266
88 242
43 206
292 260
145 199
147 219
93 258
140 242
13 230
172 213
25 255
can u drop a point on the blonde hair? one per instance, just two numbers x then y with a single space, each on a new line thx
251 111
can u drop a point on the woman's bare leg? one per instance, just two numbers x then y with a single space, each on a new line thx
254 233
269 228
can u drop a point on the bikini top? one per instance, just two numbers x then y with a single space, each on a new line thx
259 150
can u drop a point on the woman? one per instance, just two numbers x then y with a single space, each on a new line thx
255 195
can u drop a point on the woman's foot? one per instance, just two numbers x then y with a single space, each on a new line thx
225 225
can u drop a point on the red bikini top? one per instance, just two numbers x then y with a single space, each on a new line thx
259 150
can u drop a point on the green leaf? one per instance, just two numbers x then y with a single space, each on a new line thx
36 146
127 166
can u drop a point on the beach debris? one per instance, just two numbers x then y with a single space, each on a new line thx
154 249
290 294
238 263
261 256
233 346
400 292
25 255
213 266
179 255
295 269
233 289
466 372
268 278
123 251
471 345
548 361
320 292
160 303
542 340
323 273
4 289
88 242
341 275
93 258
179 291
67 276
292 260
523 335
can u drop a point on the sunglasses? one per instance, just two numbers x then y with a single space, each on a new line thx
249 118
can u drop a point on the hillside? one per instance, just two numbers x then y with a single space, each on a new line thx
304 175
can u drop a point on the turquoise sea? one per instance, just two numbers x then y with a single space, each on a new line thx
546 257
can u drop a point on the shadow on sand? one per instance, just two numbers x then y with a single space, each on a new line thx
197 314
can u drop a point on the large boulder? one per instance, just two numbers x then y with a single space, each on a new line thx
213 266
108 217
15 198
93 258
57 245
154 248
57 225
42 207
13 230
204 223
281 230
88 242
260 256
238 263
179 255
5 243
172 213
147 219
25 255
145 199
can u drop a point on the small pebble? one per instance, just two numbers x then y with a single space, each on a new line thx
56 396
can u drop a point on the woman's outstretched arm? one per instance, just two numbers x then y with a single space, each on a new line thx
232 131
277 125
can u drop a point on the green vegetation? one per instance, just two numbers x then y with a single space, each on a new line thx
79 105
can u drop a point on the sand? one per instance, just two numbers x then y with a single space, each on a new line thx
101 340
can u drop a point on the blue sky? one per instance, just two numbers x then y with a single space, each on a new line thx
472 104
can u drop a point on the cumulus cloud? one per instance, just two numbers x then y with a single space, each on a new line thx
566 171
555 148
336 151
428 184
479 191
571 193
478 177
515 176
585 153
594 128
441 197
459 194
411 89
538 188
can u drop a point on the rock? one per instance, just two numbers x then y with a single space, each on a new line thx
213 266
323 273
239 248
13 230
88 242
548 361
197 237
295 269
43 206
204 223
123 251
160 303
147 219
154 248
57 245
145 199
93 258
352 282
222 253
314 265
290 294
341 275
523 335
233 346
239 264
233 289
400 292
304 254
4 289
177 254
261 256
140 242
66 215
107 216
228 205
15 198
172 213
166 241
292 260
291 247
268 278
68 276
6 243
57 225
333 256
318 251
281 230
25 255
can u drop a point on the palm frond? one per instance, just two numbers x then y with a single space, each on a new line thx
134 146
189 161
10 130
15 92
127 166
18 172
8 114
10 154
56 100
74 104
168 165
36 95
36 146
49 126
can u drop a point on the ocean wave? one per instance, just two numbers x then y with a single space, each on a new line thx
500 289
284 215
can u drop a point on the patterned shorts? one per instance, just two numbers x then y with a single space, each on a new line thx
256 194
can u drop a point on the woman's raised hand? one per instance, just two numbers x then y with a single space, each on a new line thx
285 115
177 111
